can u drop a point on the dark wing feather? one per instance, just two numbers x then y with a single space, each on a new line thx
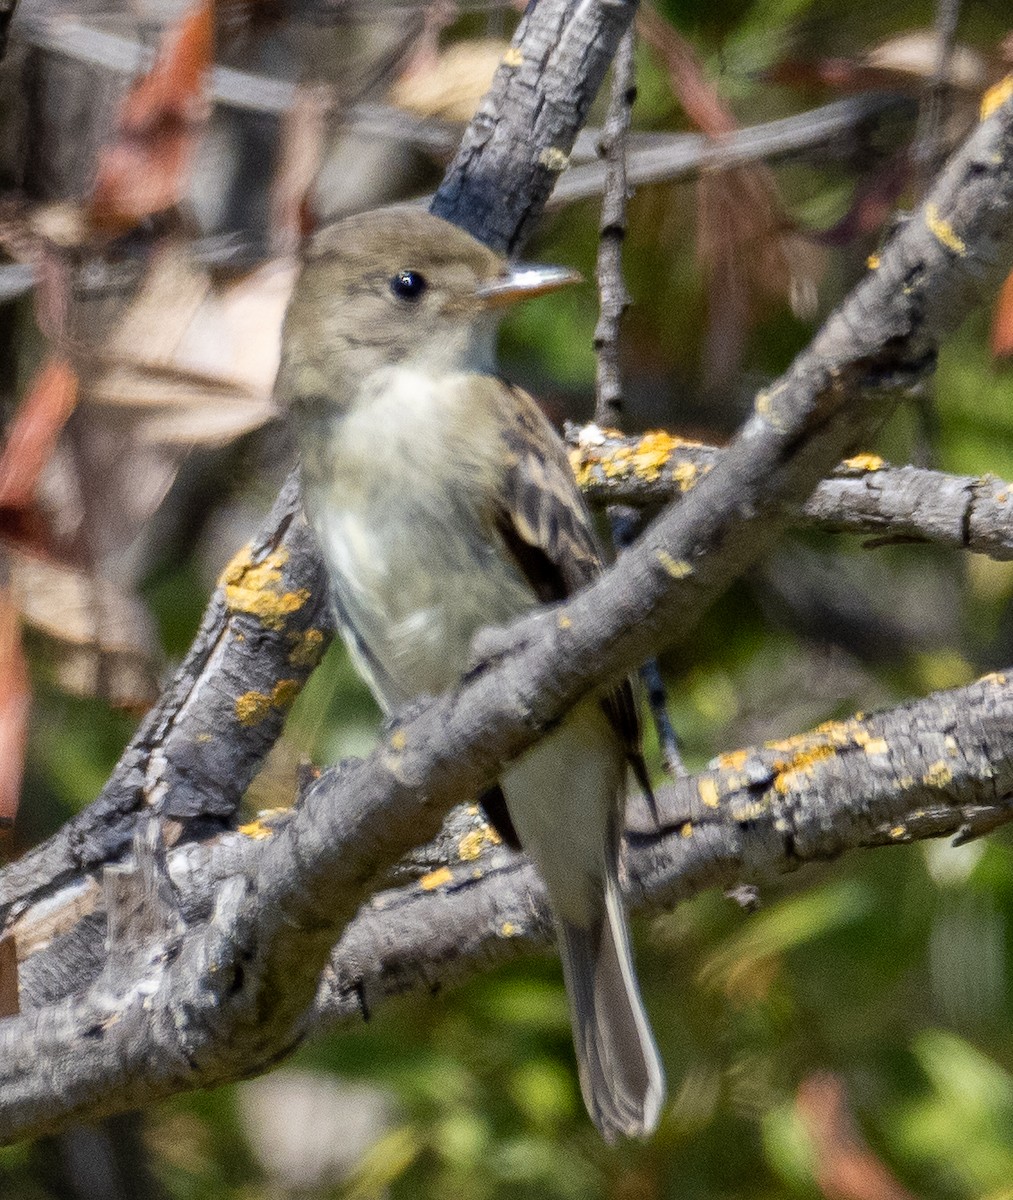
548 531
494 806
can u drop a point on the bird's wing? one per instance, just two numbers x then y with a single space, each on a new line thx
548 531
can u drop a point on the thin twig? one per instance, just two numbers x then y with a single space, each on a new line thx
613 301
929 149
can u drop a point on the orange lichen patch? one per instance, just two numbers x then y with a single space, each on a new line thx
830 734
564 621
686 829
257 588
732 760
996 96
938 775
254 707
508 929
307 648
838 733
898 831
872 262
513 57
876 746
864 462
943 231
398 740
472 844
435 879
995 677
708 790
800 765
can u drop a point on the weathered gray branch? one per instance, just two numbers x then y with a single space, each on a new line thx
613 298
936 767
864 495
196 752
519 141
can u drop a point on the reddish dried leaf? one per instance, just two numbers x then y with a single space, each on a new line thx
34 431
845 1167
15 700
1001 340
10 1004
695 92
745 240
303 130
145 169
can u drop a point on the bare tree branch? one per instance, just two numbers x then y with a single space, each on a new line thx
195 753
864 495
614 299
666 158
936 767
519 141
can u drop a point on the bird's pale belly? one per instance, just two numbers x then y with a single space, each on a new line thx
417 586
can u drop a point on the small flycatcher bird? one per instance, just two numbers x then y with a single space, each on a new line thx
444 503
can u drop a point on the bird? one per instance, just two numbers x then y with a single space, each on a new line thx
444 504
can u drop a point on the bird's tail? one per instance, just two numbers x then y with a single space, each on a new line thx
620 1071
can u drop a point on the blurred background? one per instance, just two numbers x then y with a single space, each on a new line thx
849 1040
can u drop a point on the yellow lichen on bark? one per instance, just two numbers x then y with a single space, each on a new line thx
864 462
938 775
801 765
732 760
644 459
254 707
943 231
678 568
996 96
435 879
708 790
473 843
258 588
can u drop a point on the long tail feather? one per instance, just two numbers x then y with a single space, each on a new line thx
620 1071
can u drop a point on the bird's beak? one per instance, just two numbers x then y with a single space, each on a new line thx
521 281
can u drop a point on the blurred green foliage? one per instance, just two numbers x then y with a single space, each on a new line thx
889 971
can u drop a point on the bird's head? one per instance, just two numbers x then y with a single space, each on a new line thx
397 287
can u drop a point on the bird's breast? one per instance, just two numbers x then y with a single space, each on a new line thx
401 491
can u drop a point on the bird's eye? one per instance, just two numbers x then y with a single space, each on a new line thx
408 285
